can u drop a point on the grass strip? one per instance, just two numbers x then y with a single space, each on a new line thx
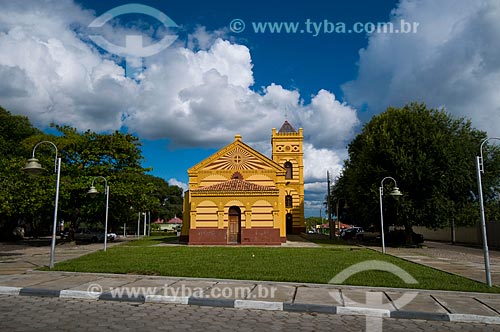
308 265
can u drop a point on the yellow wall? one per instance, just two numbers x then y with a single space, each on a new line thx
266 209
288 147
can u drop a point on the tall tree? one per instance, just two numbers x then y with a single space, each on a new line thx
15 196
29 201
432 157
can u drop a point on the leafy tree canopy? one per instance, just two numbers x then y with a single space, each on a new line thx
86 156
431 155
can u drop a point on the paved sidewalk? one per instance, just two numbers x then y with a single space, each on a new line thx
464 261
380 302
19 258
18 279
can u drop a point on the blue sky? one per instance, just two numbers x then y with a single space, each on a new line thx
192 97
294 61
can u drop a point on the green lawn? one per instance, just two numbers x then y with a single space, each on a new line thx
311 265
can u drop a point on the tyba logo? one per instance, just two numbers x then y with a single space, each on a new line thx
134 49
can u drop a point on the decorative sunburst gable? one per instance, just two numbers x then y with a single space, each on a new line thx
236 156
237 159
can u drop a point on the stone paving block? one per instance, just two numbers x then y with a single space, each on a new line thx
464 305
229 290
66 282
491 302
272 293
187 288
104 284
419 302
151 286
366 299
6 277
313 295
30 280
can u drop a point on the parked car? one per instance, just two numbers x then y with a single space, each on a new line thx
64 235
94 236
350 233
370 234
392 237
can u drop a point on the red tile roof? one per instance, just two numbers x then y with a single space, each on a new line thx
175 221
236 185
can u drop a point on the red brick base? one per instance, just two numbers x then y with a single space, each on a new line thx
263 236
252 236
208 236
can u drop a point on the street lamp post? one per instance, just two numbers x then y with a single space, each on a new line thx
337 210
139 225
331 227
396 193
33 167
93 191
480 169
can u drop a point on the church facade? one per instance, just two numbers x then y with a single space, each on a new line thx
240 196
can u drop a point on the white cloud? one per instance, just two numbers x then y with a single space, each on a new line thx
318 161
56 75
195 96
175 182
452 61
53 74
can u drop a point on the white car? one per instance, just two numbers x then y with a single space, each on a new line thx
112 236
89 235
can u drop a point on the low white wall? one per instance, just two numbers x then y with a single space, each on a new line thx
470 235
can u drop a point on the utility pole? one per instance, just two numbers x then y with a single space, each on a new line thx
329 208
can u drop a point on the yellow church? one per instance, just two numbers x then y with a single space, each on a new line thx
240 196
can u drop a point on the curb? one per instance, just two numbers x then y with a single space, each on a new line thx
261 305
77 294
420 315
39 292
225 303
251 304
167 299
9 290
360 311
465 318
107 296
306 307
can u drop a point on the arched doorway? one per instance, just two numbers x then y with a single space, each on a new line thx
234 225
289 223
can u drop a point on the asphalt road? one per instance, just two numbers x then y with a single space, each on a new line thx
22 313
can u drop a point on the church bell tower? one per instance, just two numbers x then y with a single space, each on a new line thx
287 151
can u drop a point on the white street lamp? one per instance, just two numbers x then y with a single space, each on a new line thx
395 193
139 225
480 169
34 167
93 191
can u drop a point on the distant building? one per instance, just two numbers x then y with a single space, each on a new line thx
239 196
170 225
